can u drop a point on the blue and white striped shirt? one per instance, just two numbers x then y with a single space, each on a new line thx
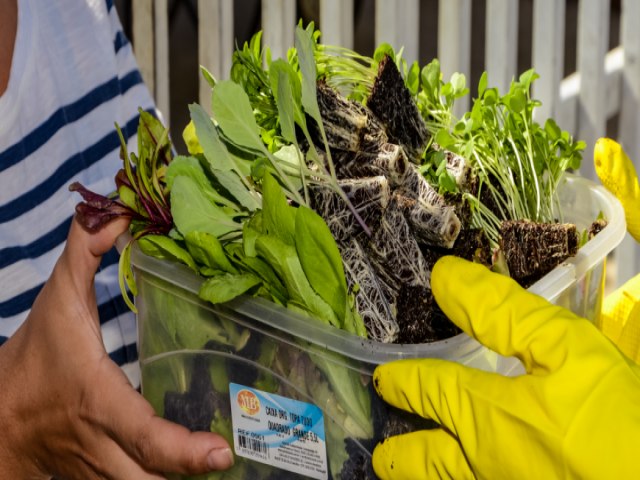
73 76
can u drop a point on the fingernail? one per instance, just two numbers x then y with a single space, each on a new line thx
220 459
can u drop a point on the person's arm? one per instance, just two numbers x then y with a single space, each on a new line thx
66 409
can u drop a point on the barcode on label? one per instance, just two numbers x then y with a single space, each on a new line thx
254 444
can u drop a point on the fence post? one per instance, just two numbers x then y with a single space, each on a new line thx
336 22
593 35
142 33
151 44
278 26
397 23
628 253
501 42
215 43
454 44
161 40
548 55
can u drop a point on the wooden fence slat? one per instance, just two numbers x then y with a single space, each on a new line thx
454 44
398 23
161 34
215 43
278 26
336 22
548 55
630 108
629 125
142 33
593 35
501 42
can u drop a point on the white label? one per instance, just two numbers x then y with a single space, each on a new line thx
278 431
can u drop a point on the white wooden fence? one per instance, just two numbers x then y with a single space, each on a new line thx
606 84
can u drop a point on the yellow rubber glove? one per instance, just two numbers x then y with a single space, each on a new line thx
620 318
574 414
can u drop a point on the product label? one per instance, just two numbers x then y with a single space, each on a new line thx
278 431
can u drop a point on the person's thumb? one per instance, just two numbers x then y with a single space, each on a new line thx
84 249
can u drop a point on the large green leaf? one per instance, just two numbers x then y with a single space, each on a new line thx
278 217
284 260
280 74
165 248
233 113
207 250
214 150
193 211
191 167
235 117
248 198
321 260
226 287
305 48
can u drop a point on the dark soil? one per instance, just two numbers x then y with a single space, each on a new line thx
596 227
195 408
391 102
419 317
532 250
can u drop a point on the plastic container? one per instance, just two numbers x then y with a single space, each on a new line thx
293 396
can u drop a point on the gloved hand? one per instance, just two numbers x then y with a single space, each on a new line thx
620 317
574 414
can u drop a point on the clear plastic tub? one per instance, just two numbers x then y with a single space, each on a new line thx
294 396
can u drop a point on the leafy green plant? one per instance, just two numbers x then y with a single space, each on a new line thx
520 163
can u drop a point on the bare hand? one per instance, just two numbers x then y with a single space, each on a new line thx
66 410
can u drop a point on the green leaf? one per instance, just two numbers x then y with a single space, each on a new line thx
280 73
208 76
278 217
444 139
382 50
226 287
191 167
490 97
165 248
284 260
321 260
213 148
191 139
430 77
304 45
447 183
413 78
207 250
527 78
518 101
291 161
234 114
270 280
459 82
126 278
482 84
251 230
232 183
127 196
193 211
552 129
